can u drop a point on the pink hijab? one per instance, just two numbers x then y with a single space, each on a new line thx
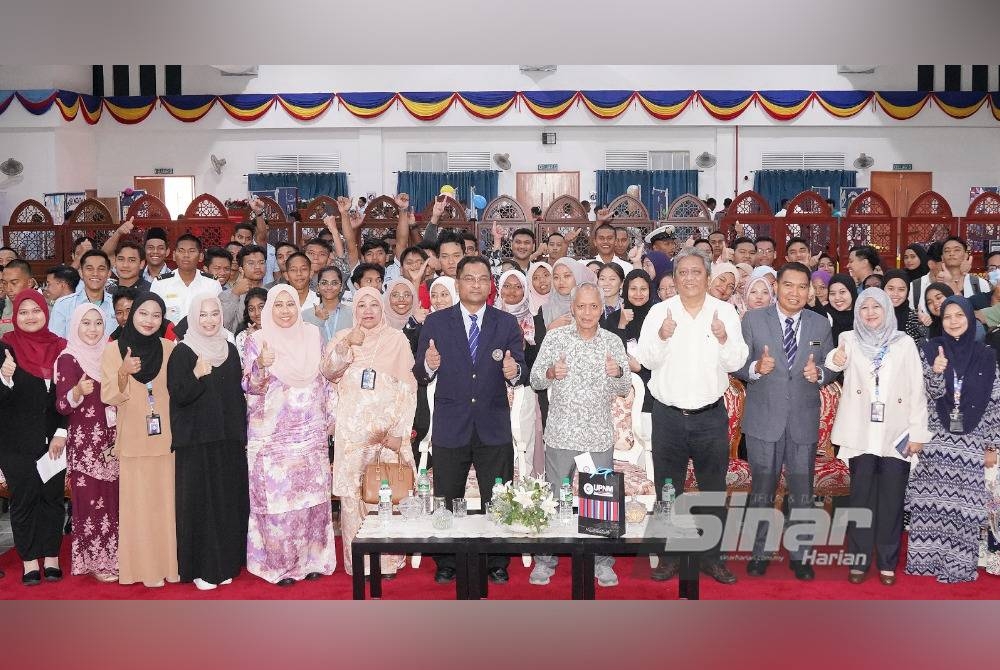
297 349
87 355
536 299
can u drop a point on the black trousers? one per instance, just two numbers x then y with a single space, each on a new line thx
704 439
878 483
451 470
36 509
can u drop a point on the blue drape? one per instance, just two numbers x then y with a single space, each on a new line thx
422 187
310 184
776 185
613 183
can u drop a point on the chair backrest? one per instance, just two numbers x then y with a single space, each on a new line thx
735 398
829 398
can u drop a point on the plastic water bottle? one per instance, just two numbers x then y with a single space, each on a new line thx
668 495
565 500
384 502
424 490
498 489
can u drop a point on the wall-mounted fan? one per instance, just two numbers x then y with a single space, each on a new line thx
12 167
502 161
218 164
864 161
705 160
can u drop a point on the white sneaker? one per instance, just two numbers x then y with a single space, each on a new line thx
540 574
203 585
227 582
605 576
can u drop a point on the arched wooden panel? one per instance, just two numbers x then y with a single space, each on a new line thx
31 212
148 208
564 209
809 203
869 204
930 203
90 211
206 206
626 209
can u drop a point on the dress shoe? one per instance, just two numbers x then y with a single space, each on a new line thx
154 585
313 576
53 574
855 577
105 577
757 567
33 578
718 571
666 570
222 583
202 585
287 581
803 571
444 575
498 575
887 578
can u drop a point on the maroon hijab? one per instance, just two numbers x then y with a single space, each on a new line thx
35 352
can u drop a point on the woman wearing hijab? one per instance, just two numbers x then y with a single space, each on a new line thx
94 479
208 427
915 262
934 297
31 426
840 311
289 411
372 368
443 293
539 285
881 421
656 264
134 379
627 322
947 496
819 294
515 300
897 287
757 294
402 311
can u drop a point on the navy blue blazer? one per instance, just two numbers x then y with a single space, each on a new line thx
470 395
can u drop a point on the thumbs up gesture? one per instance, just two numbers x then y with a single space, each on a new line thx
8 367
130 364
719 328
809 371
940 362
924 317
202 368
559 369
356 338
84 387
509 366
266 357
840 356
668 327
626 318
127 227
432 358
611 367
765 364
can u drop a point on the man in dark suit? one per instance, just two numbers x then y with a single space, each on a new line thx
784 373
474 351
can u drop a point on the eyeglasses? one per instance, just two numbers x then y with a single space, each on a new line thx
989 268
470 279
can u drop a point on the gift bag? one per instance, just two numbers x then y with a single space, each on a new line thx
602 503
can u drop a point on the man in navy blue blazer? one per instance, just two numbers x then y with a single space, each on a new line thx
475 352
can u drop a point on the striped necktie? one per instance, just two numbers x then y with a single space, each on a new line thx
789 341
473 337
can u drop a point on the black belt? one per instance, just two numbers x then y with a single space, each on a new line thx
699 410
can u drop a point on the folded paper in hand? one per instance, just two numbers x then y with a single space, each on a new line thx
48 467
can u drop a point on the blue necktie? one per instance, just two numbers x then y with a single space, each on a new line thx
789 341
473 337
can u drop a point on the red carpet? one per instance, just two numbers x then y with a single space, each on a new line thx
830 584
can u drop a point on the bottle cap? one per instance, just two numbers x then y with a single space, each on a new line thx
423 471
565 480
668 480
385 481
498 480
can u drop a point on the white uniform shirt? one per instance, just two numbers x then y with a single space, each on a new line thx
177 295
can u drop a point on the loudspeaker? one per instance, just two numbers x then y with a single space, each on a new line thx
548 138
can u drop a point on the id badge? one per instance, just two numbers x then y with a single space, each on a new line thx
153 425
111 416
368 379
878 412
957 424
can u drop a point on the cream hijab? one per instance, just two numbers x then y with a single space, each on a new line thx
214 348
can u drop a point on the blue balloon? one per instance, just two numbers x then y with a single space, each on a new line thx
478 201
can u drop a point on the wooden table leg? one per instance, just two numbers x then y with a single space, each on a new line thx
376 575
688 578
576 566
358 579
482 582
462 586
588 575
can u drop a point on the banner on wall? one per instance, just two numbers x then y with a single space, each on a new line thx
287 197
977 191
660 198
847 196
61 205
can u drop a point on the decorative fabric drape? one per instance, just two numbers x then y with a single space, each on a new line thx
422 187
310 184
776 185
613 183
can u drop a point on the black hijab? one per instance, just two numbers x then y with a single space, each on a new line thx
935 329
903 311
843 321
639 312
923 268
147 348
973 362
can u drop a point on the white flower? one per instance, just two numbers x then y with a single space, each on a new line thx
523 498
548 505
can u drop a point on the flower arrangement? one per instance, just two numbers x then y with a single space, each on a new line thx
525 504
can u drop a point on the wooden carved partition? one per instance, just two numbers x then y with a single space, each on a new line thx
566 215
629 213
207 218
868 221
148 212
505 212
91 218
690 218
754 214
928 220
32 234
311 224
980 225
809 217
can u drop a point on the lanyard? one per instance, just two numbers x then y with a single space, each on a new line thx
877 366
958 389
150 398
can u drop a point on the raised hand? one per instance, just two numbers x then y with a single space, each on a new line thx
559 369
940 362
497 236
840 356
130 364
202 368
814 261
738 228
403 201
266 357
924 317
321 312
419 314
635 255
809 371
668 327
728 254
571 236
719 328
127 227
626 318
256 204
84 387
242 285
689 242
611 366
509 366
438 209
433 357
603 215
8 367
344 205
765 364
330 221
355 219
542 250
356 338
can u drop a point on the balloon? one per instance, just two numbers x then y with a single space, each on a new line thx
447 189
478 201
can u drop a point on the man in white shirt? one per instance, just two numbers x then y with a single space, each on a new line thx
178 287
604 240
691 342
